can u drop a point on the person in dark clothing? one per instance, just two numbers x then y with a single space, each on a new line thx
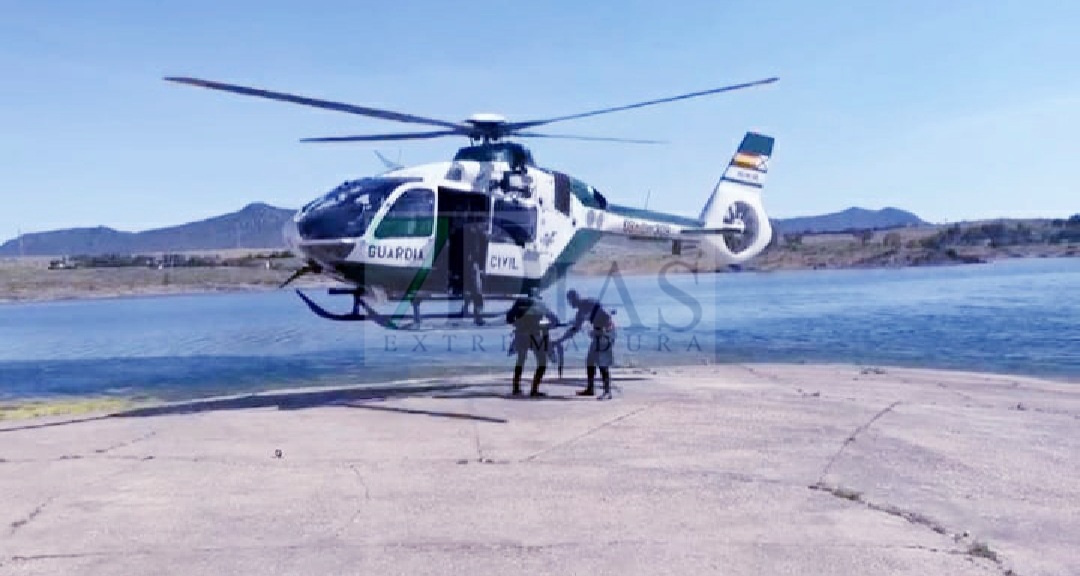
474 243
601 340
532 322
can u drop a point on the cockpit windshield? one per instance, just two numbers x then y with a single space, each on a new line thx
348 210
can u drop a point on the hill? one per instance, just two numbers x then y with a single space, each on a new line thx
850 219
259 226
256 225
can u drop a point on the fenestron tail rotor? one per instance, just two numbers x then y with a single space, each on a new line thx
479 127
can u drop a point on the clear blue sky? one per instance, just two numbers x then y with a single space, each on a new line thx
954 110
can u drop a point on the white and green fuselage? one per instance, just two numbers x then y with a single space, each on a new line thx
396 232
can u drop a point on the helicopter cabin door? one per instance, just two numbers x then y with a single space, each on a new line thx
403 241
463 223
513 238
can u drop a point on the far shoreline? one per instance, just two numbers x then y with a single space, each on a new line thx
55 290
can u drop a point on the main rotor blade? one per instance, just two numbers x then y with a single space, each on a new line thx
534 123
329 105
591 138
386 137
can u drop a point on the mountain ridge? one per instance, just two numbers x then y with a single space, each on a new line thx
259 225
849 218
256 226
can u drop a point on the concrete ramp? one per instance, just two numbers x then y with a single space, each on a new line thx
735 469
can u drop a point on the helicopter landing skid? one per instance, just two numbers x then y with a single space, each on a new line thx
396 321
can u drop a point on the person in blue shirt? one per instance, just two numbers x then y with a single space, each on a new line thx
601 340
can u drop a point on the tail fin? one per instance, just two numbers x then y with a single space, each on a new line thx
736 201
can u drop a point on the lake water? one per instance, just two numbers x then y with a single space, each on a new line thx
1019 316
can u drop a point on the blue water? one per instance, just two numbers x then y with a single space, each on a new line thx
1020 316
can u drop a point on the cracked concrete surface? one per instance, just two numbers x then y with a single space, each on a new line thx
688 470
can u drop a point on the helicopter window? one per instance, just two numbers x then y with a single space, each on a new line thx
519 159
346 211
600 200
483 154
515 155
513 222
562 193
585 194
411 216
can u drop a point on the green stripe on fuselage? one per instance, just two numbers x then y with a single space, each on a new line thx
441 235
643 214
581 242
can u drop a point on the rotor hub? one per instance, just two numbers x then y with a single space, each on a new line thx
486 118
487 126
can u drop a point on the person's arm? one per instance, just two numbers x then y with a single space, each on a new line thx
514 312
552 317
574 327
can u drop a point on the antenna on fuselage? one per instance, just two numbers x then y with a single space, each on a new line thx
386 162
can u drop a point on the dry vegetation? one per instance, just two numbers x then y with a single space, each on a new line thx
25 279
24 410
925 246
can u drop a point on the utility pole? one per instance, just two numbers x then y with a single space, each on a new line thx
22 247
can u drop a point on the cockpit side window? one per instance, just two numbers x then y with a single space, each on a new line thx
513 222
411 216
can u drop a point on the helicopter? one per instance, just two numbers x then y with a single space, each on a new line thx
491 224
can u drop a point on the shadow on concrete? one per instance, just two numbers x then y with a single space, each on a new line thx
294 399
433 413
52 424
524 397
571 384
351 397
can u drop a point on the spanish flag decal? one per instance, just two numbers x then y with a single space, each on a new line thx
752 161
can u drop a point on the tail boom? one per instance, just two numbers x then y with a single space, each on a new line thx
733 226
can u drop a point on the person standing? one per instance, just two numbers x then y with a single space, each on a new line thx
601 340
474 247
532 322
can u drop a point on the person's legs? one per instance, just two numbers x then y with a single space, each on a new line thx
590 375
605 375
538 344
541 367
606 357
478 308
477 294
519 367
590 369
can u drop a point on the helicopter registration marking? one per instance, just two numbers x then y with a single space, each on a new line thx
744 176
646 229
